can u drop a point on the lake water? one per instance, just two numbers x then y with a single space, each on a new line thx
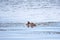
17 31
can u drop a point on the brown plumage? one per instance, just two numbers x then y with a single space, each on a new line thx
30 24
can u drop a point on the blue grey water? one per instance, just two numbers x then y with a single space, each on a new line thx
19 31
12 11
